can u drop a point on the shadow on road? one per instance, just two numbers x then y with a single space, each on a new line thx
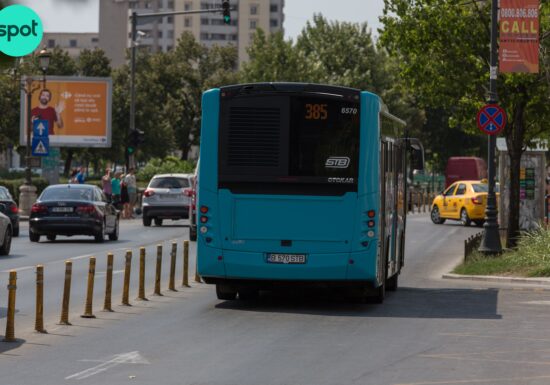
4 312
7 346
405 303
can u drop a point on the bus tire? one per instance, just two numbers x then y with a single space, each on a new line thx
392 282
225 292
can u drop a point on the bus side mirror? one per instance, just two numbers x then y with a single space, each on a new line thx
417 154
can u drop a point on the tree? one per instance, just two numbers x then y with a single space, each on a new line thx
442 47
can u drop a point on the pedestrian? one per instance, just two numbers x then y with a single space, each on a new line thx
115 190
131 186
72 176
124 199
81 175
106 184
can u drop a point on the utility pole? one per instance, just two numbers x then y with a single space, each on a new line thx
490 243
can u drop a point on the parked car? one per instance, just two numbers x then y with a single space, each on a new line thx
192 193
12 212
464 168
5 231
166 198
73 209
464 201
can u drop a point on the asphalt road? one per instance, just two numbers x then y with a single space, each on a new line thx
431 331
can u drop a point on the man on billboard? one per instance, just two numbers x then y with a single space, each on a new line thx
45 112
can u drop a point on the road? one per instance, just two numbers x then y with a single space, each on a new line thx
431 331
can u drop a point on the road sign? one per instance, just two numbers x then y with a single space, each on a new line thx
491 119
40 146
40 128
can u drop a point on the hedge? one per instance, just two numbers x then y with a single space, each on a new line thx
13 186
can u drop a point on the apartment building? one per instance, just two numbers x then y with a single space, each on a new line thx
161 34
73 43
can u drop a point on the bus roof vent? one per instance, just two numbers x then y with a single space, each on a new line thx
254 137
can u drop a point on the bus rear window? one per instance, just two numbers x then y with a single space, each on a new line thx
289 139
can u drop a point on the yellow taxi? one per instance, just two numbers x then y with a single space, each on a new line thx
464 201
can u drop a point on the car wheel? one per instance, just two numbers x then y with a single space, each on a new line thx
6 246
225 292
464 218
100 236
436 217
158 222
146 221
51 237
114 235
15 232
33 236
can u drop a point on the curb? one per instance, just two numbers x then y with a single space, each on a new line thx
491 278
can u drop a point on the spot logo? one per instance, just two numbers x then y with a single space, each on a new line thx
20 30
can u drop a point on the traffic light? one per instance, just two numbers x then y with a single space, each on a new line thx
135 138
226 12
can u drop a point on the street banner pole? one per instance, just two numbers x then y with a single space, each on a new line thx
490 243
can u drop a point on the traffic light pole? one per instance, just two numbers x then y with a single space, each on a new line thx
490 243
130 158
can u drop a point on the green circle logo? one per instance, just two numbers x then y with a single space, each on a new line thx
20 30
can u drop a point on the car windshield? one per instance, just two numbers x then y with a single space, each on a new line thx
68 194
169 182
480 187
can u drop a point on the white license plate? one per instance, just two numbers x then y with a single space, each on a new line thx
286 258
62 209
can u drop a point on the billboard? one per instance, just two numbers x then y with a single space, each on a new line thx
78 111
519 36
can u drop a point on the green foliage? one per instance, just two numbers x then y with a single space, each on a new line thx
530 259
167 165
13 186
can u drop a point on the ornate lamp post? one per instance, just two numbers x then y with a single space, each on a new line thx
27 191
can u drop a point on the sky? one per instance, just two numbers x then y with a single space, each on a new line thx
82 15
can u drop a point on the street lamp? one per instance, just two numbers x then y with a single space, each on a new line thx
27 190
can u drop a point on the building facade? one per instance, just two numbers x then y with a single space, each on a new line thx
161 34
73 43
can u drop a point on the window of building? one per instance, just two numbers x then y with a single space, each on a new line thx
251 36
253 24
170 34
159 34
218 36
273 8
170 20
253 9
51 43
170 4
205 21
159 3
72 43
147 4
204 36
132 4
187 22
217 22
274 22
95 40
169 48
234 37
187 6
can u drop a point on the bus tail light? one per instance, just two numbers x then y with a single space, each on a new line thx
370 223
371 213
477 200
204 219
204 209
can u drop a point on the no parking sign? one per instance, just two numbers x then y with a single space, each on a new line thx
491 119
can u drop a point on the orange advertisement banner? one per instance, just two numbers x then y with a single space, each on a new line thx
519 36
78 111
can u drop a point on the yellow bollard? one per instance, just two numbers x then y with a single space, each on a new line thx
185 280
141 291
39 322
88 313
172 281
108 283
10 322
158 270
197 276
127 270
66 294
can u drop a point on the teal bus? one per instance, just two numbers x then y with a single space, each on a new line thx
301 184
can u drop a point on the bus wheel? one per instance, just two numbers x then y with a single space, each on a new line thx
225 292
391 283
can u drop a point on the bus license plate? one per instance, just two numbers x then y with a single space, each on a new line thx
286 258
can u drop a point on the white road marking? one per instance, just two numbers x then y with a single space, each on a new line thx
108 363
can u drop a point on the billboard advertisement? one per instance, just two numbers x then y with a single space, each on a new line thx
77 109
519 36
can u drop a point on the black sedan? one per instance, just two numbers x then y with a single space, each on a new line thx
73 209
12 212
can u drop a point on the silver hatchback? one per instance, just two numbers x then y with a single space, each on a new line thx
166 197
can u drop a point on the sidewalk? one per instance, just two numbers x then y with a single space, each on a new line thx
498 279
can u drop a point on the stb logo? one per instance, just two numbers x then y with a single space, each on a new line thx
20 30
337 162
